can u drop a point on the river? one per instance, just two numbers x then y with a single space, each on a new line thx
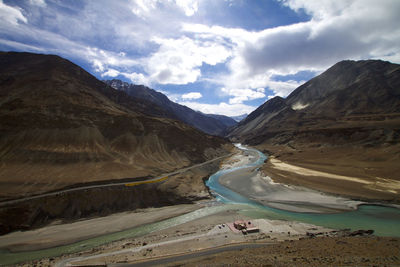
383 220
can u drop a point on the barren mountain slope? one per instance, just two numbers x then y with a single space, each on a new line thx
61 126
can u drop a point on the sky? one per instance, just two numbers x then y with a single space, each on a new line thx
216 56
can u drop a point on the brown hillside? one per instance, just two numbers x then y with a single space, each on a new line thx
61 126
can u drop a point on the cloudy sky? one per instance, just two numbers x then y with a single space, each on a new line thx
216 56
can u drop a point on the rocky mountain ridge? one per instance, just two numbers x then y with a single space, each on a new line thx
208 123
360 96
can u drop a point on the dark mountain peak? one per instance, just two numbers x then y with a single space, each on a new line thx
116 84
340 76
273 105
275 101
215 125
349 71
366 88
41 66
60 75
228 121
142 92
125 86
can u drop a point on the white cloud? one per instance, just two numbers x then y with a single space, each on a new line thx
241 95
221 108
137 78
338 30
283 89
192 95
134 77
98 65
189 7
11 15
142 8
146 8
319 9
40 3
173 97
178 61
110 73
21 46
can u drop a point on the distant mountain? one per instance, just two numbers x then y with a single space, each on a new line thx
61 126
227 121
239 117
215 125
353 102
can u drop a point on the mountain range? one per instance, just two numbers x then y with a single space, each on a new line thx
208 123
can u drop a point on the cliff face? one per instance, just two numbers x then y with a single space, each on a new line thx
61 126
353 102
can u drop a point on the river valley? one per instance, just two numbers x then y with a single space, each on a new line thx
239 188
244 184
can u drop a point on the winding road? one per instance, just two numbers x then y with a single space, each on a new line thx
110 184
190 255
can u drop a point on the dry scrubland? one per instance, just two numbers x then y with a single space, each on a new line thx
324 251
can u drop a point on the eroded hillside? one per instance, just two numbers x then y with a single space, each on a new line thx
61 126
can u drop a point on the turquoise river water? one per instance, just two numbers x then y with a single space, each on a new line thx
385 221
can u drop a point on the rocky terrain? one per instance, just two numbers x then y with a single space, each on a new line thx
344 121
208 123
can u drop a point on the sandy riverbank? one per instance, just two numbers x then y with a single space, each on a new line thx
378 184
207 232
359 173
252 183
62 234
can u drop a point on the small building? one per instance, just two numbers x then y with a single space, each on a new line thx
243 226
